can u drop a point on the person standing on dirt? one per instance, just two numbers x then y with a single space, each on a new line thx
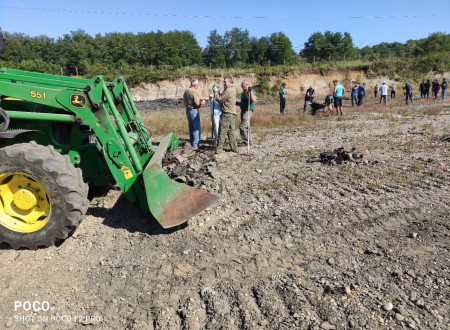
192 103
361 93
227 102
246 113
375 90
282 93
355 94
383 92
435 88
215 116
422 89
329 102
427 89
444 86
338 93
309 97
393 89
408 92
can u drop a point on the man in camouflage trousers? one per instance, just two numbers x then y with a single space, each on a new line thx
227 102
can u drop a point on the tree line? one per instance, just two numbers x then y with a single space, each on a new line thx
80 53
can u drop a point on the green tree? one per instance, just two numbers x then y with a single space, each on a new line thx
237 47
280 49
23 47
75 49
436 42
259 50
214 53
118 48
177 48
324 46
316 47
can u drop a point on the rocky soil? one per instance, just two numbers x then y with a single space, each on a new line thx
292 244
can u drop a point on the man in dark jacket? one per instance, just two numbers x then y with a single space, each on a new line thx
361 93
422 89
408 92
282 93
435 88
427 89
309 97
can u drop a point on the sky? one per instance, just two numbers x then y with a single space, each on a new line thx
368 22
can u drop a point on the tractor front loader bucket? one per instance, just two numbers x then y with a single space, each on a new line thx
171 203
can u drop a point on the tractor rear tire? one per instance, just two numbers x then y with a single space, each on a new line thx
43 197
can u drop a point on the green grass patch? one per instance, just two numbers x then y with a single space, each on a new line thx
249 223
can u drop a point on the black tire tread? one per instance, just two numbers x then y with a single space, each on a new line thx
65 175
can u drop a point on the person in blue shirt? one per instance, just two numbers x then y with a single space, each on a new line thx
338 93
354 94
361 93
408 92
329 102
215 116
444 86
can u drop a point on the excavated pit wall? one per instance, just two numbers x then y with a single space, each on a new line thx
297 83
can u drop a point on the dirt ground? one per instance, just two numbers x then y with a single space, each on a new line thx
290 244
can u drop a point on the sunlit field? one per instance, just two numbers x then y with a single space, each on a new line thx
267 115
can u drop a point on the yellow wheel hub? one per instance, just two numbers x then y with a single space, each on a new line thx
25 205
24 199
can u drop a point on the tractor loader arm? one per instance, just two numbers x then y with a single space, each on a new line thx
105 113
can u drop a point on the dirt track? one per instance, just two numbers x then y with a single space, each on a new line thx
290 244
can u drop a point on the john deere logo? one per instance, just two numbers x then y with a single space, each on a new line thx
78 101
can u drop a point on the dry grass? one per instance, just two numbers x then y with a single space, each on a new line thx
265 116
433 111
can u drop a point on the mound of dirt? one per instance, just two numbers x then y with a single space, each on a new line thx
337 156
194 167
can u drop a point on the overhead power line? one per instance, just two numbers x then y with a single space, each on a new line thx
216 16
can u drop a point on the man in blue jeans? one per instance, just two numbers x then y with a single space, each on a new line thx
361 93
192 103
354 94
309 97
408 92
444 86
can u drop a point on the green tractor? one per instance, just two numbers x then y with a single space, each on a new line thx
61 136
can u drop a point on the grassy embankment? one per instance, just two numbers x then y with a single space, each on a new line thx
267 116
413 69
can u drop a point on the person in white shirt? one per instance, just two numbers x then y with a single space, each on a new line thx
383 93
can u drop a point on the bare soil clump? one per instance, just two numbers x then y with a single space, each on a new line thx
194 167
291 244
